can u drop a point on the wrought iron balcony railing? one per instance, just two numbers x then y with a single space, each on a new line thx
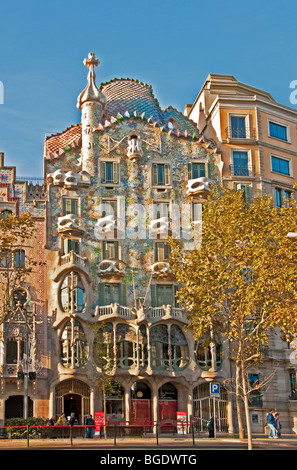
241 133
242 170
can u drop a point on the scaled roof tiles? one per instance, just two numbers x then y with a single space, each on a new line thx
125 98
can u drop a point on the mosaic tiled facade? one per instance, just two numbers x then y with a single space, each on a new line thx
117 185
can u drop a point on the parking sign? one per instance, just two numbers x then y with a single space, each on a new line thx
214 389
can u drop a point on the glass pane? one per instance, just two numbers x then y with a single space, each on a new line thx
277 131
240 162
238 127
198 170
280 166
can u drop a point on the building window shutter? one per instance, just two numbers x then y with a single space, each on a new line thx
103 172
166 174
155 174
123 297
190 171
115 172
154 295
101 293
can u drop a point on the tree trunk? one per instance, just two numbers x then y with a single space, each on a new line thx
239 402
247 411
104 411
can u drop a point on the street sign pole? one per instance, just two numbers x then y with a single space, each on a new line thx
214 389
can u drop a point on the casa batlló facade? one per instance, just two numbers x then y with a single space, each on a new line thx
116 186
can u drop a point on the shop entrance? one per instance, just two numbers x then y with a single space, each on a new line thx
72 396
141 404
72 404
168 407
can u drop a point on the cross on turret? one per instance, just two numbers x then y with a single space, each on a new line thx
91 61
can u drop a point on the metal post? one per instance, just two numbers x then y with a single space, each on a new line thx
157 434
71 440
193 433
26 413
214 417
115 434
27 435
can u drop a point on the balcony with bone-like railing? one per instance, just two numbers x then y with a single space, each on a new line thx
69 179
71 224
150 314
199 187
111 267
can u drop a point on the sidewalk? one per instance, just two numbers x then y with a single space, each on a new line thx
223 442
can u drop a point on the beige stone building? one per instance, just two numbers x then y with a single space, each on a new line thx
256 136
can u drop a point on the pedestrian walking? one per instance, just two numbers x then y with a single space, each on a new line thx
72 419
210 427
90 427
278 425
271 424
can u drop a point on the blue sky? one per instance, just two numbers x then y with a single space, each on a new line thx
173 45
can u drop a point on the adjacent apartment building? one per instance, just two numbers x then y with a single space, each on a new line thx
257 140
256 136
116 186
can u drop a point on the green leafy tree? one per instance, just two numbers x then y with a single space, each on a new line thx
240 284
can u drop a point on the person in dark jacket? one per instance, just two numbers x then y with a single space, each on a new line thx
90 426
271 424
210 427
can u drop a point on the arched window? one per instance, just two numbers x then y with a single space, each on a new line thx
72 293
180 350
159 347
74 347
103 347
203 355
126 347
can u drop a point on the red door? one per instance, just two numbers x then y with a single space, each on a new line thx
141 412
167 412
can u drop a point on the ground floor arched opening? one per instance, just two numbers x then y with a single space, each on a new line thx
72 396
141 409
206 406
168 400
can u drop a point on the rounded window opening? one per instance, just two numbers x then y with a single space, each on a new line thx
74 346
72 293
